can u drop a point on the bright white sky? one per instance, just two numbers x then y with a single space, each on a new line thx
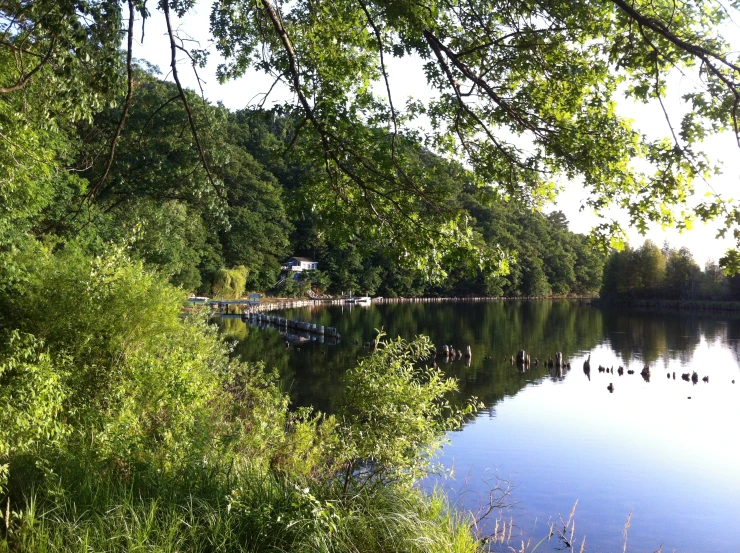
407 79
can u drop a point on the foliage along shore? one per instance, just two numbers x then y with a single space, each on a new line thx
238 235
654 277
128 427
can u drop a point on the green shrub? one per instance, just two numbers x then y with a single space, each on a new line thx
31 401
132 429
143 386
394 415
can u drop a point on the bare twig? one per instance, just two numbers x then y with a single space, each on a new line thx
626 530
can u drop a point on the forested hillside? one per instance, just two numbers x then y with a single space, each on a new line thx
155 196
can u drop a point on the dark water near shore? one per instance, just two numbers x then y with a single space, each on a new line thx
673 462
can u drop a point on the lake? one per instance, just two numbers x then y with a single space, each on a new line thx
665 450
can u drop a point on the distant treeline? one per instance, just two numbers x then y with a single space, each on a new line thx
650 272
157 197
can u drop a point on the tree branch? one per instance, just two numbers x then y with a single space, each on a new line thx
126 105
705 55
329 152
173 64
25 79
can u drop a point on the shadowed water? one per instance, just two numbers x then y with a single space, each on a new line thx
646 448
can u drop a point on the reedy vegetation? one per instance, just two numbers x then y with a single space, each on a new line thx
127 427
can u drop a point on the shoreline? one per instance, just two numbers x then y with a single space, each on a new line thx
670 305
280 304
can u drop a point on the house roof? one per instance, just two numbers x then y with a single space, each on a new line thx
302 259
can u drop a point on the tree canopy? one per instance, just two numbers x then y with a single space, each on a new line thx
525 93
525 99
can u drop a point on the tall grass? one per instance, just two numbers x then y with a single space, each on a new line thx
258 513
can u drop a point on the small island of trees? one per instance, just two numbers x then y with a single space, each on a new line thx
652 273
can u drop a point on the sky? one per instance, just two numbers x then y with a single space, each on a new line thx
407 80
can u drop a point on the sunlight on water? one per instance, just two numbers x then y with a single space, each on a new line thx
645 449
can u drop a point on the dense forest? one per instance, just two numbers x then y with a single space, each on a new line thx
261 213
653 273
127 425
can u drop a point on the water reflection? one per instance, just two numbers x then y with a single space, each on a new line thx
495 332
619 439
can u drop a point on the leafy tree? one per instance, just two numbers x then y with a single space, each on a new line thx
230 283
539 74
668 273
649 269
525 97
681 275
319 280
714 284
258 231
589 267
634 273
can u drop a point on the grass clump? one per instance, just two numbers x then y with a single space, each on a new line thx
262 513
128 427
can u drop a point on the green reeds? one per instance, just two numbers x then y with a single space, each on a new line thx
256 513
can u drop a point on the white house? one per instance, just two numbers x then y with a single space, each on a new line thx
299 264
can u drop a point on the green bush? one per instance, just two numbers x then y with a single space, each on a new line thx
394 415
294 286
32 395
132 429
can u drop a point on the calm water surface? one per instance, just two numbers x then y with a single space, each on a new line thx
646 449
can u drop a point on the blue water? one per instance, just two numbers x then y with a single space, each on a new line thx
645 449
